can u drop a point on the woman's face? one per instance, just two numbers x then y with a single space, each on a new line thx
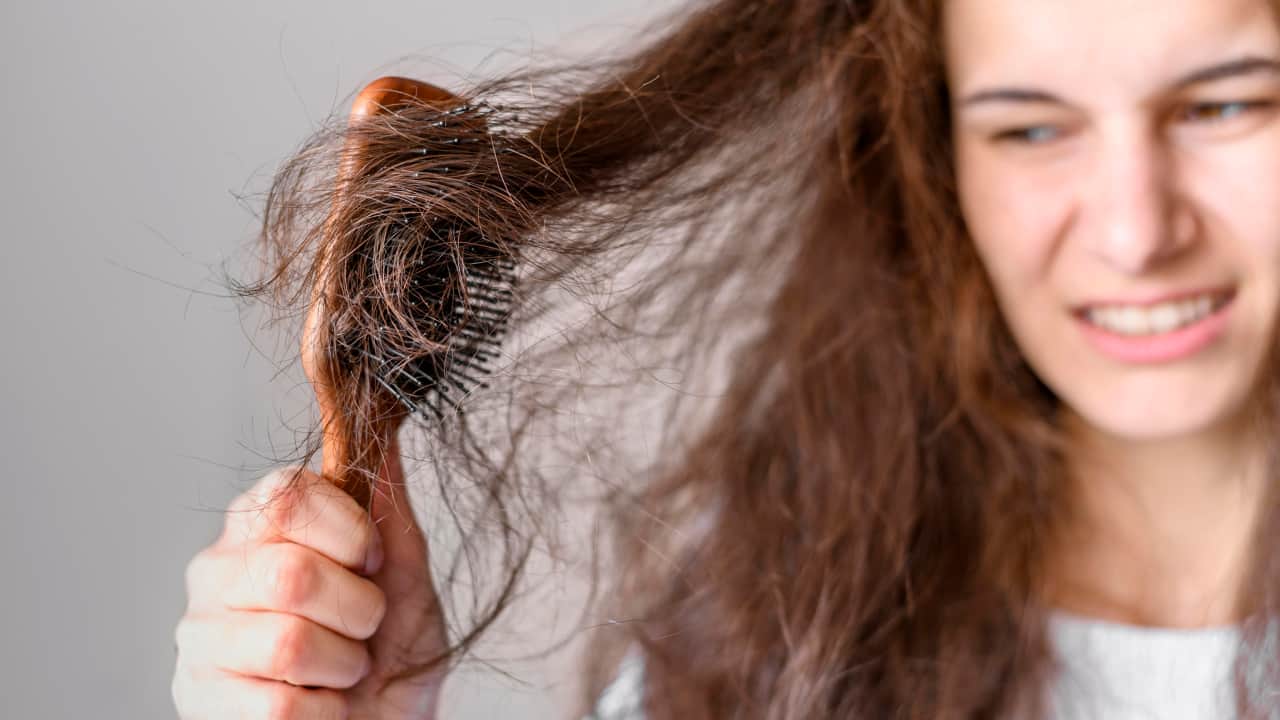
1119 171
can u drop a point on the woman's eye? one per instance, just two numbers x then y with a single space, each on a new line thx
1214 112
1033 135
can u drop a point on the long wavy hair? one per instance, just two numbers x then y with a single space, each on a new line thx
841 506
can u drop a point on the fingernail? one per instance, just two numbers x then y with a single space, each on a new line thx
373 561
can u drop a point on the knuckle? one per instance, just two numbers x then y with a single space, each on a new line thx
283 703
280 478
288 648
181 635
195 572
244 518
181 630
255 498
242 502
268 504
277 511
178 693
293 577
201 576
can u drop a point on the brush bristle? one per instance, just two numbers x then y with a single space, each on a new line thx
441 293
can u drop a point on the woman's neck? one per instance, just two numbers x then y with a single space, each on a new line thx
1157 532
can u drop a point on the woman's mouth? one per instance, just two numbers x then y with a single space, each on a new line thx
1158 318
1160 331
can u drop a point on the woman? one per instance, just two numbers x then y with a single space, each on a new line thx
999 445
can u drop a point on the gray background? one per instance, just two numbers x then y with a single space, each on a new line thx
135 404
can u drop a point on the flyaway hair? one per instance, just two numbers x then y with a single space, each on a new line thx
853 476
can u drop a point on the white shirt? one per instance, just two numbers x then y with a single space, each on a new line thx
1110 671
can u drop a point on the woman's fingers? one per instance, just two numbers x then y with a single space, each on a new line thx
210 694
288 578
274 646
314 513
277 608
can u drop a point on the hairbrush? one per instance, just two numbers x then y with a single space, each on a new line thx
450 287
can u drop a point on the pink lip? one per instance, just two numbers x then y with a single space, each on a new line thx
1164 347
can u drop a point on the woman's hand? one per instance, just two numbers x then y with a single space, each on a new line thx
302 608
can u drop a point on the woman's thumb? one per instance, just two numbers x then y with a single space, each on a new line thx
403 543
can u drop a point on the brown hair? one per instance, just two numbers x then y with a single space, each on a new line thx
851 518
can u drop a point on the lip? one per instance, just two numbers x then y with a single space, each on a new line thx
1165 347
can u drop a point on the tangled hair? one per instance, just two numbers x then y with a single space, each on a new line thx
846 510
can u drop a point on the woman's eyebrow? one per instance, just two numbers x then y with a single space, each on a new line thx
1247 65
1011 94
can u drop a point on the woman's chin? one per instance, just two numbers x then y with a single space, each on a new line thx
1155 416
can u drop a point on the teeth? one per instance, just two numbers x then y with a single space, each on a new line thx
1162 318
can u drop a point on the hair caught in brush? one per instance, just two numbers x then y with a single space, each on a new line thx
845 510
413 295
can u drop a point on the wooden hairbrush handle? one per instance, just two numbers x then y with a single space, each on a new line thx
380 96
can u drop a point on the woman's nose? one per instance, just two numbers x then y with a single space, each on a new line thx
1141 218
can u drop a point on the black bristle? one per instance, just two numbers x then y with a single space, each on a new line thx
465 315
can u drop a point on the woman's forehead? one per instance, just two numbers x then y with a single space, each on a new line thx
1086 46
